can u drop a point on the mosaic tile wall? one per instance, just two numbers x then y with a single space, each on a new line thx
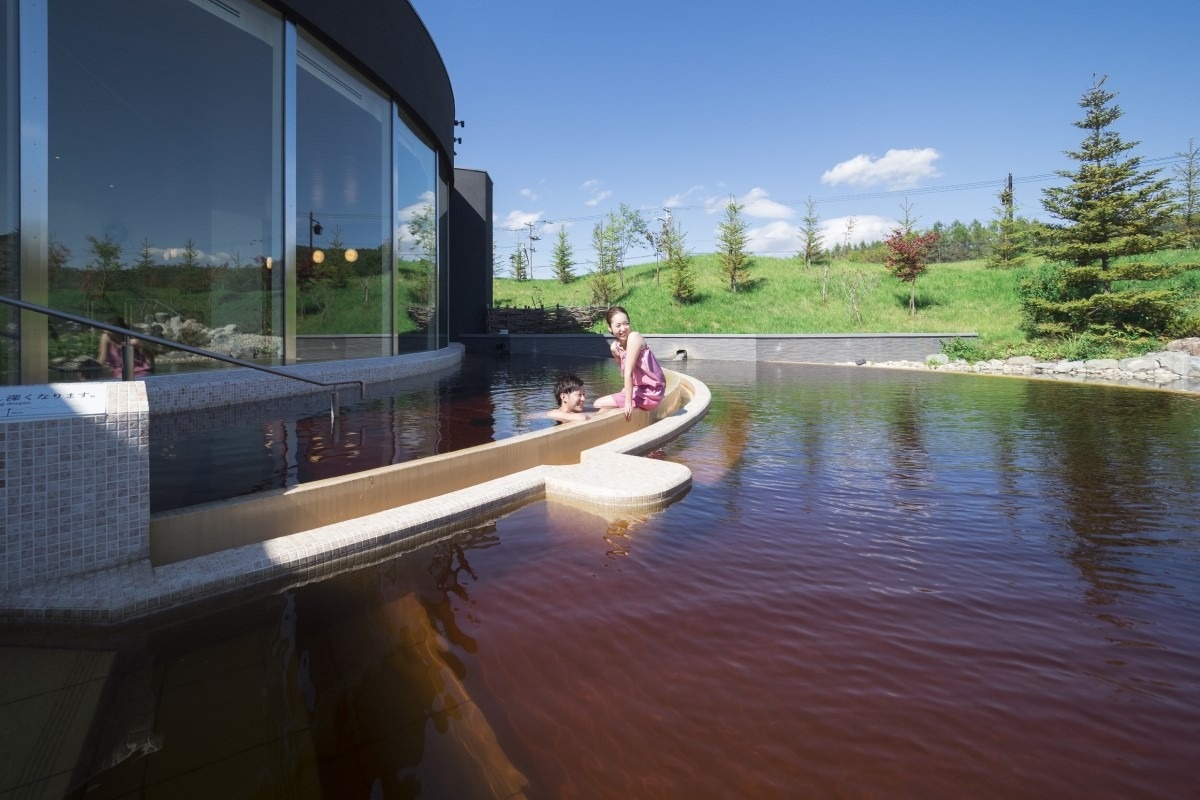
74 490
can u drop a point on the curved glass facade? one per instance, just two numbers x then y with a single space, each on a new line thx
9 185
212 175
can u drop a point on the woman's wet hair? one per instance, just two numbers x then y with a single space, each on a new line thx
612 312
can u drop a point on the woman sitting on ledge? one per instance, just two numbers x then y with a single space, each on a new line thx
645 383
112 352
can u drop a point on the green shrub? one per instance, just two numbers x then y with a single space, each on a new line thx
967 349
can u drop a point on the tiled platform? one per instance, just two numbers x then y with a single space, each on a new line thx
609 476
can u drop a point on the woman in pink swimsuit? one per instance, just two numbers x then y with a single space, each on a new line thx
645 383
111 352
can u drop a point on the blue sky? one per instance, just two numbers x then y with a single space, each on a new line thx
575 108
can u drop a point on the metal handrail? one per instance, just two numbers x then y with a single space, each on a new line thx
127 354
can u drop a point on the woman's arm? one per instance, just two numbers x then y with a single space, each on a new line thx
633 348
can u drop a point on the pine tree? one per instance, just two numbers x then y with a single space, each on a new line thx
812 241
731 245
144 267
1188 175
1111 209
516 263
604 288
680 281
563 258
1008 251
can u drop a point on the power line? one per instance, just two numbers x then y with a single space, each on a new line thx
1160 161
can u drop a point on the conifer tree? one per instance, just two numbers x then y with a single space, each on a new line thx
812 241
1110 211
1008 250
680 281
1188 175
144 266
731 245
563 257
603 284
516 263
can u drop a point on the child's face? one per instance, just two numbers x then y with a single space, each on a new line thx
619 325
573 401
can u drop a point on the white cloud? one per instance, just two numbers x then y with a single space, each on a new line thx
519 219
755 204
867 228
681 199
759 206
714 205
777 238
783 239
598 196
898 169
528 193
411 210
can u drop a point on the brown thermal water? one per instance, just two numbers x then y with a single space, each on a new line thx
880 585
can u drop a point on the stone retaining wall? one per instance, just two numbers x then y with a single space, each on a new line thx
1175 370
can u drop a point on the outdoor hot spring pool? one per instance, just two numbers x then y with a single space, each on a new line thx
881 584
217 454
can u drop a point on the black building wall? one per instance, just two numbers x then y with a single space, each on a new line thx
470 251
389 42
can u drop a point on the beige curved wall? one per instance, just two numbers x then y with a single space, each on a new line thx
212 527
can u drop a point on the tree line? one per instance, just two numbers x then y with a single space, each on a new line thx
1092 278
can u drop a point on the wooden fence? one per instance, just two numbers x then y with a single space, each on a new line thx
558 319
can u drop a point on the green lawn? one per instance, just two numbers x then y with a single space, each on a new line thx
784 296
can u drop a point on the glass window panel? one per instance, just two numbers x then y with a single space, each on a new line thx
417 243
442 279
9 210
165 172
343 192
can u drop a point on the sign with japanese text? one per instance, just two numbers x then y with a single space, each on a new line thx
52 401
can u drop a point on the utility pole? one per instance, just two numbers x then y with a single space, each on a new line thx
532 239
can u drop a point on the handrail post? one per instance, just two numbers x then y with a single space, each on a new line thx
127 360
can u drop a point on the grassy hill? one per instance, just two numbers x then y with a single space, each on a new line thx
784 296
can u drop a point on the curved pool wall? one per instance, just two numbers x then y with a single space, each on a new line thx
75 494
220 552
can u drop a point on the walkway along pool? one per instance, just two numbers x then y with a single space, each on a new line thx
880 584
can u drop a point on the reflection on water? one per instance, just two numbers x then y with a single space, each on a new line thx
881 584
217 454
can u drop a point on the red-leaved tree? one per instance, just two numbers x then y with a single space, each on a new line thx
908 257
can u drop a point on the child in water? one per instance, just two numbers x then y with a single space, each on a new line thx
569 393
645 383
